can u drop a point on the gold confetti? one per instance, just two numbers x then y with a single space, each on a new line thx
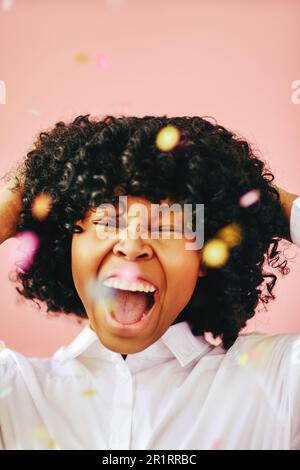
231 235
215 253
167 138
44 437
41 206
40 432
81 58
243 359
88 392
51 444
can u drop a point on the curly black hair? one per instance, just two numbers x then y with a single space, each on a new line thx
81 163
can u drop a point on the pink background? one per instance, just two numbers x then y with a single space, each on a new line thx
231 60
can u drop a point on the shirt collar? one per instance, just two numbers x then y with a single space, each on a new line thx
177 341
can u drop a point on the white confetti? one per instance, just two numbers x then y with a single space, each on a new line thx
7 4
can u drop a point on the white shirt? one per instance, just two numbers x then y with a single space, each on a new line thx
179 393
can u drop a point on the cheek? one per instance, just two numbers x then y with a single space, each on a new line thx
182 274
86 257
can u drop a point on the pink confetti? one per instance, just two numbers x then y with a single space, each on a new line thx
216 445
129 273
96 291
7 4
102 61
29 243
250 198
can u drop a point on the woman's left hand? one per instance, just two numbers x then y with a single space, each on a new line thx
286 200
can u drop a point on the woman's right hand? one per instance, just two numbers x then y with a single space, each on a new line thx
10 208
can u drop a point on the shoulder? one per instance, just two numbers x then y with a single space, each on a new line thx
266 351
14 364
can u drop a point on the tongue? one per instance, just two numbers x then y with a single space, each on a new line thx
129 306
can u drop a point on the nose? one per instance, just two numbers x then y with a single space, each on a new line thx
132 248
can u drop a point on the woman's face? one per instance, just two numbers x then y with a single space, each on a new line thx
165 263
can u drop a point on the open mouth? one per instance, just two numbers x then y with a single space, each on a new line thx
128 306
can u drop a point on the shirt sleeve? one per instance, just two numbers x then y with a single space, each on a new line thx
295 222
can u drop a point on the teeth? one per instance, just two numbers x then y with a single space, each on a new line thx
132 286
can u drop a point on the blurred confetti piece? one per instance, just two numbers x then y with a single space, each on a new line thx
51 444
102 61
167 138
249 198
7 4
5 391
81 58
231 235
95 290
36 112
29 243
129 273
215 253
42 434
88 392
41 206
243 359
216 445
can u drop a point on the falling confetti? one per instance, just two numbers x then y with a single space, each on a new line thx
96 291
88 392
258 355
129 273
215 253
33 111
7 4
231 235
51 444
81 58
243 359
5 391
102 61
44 437
167 138
29 243
216 445
249 198
41 206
